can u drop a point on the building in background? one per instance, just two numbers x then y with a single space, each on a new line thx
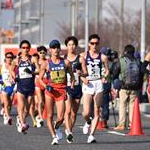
34 19
27 20
39 20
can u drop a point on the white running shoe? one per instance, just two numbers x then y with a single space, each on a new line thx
59 134
86 128
7 120
22 128
55 141
19 128
17 120
39 121
2 112
91 139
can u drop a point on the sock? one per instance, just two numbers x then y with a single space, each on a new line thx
89 121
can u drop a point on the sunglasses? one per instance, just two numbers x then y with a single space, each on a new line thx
42 52
9 57
94 43
25 47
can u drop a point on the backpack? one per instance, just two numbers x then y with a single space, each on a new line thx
130 72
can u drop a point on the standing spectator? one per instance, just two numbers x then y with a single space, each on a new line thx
129 72
112 55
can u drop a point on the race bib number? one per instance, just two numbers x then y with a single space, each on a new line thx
58 76
94 73
23 74
69 79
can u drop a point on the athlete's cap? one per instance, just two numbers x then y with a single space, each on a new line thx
54 44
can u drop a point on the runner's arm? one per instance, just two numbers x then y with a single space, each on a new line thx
43 69
68 66
35 61
105 61
84 72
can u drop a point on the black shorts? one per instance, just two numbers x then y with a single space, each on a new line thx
75 93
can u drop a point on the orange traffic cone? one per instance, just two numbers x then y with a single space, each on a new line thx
100 125
44 115
136 126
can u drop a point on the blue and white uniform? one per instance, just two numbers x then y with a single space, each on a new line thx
75 93
94 67
25 84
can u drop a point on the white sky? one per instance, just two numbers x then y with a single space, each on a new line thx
133 4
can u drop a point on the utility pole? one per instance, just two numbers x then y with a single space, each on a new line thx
42 22
20 18
143 27
86 24
73 9
121 26
76 16
97 8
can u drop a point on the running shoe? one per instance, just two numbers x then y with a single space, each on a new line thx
91 139
25 127
2 111
34 123
55 141
40 122
7 120
70 138
59 134
86 128
21 127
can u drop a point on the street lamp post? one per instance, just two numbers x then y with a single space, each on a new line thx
19 27
96 15
143 26
121 26
42 22
86 24
73 5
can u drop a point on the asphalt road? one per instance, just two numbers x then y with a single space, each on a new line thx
40 139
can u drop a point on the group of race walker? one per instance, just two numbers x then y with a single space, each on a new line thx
46 79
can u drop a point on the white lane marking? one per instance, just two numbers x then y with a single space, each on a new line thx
147 115
115 132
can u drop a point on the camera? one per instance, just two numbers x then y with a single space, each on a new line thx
111 54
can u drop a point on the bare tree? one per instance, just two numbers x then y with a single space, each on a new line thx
110 27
